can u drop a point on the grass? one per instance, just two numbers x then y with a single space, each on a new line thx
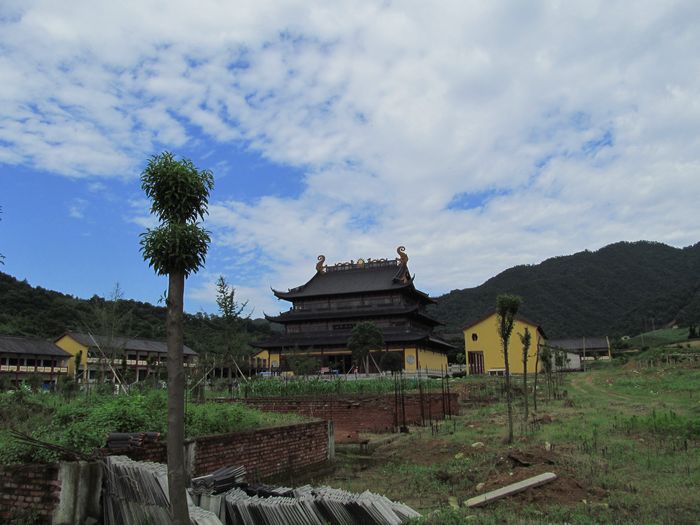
626 445
660 337
82 423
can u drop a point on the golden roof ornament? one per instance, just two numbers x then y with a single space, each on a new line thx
401 250
319 265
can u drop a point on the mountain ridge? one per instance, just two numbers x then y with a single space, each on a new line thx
611 291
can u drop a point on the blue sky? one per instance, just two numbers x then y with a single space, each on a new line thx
480 136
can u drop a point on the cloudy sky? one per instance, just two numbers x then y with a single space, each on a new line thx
480 135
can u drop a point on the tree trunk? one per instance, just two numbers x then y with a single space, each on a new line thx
534 392
176 401
525 383
509 396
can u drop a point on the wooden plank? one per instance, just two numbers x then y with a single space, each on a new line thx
511 489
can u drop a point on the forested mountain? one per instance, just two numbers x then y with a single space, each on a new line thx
26 310
620 289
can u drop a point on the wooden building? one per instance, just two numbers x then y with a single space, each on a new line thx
93 357
22 357
326 308
482 346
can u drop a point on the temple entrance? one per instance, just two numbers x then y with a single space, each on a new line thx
475 361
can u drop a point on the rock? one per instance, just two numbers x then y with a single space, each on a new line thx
547 446
452 500
478 444
480 487
459 455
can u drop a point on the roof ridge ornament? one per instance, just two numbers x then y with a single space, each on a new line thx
320 268
403 258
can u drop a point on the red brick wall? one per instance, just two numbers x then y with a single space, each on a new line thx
264 453
27 489
361 412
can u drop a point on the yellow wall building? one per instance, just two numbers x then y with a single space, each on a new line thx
483 349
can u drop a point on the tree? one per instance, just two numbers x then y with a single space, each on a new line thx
177 247
525 339
506 308
364 338
109 323
235 342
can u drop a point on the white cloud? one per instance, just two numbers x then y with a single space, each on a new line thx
566 125
76 208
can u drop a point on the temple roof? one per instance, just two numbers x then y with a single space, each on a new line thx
366 311
354 278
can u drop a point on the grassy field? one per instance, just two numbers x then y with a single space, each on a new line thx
624 442
661 337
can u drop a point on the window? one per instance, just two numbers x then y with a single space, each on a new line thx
475 337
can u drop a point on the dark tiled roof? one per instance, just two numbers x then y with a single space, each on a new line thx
576 344
374 311
352 281
518 317
138 345
340 338
26 345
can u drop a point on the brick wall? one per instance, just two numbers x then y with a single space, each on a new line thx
361 412
27 490
264 453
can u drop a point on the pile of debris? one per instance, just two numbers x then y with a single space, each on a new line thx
130 440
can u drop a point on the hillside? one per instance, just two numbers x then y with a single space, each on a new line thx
26 310
616 290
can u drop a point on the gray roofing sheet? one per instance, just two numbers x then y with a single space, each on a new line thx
139 345
30 346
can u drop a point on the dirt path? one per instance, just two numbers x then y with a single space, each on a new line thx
584 384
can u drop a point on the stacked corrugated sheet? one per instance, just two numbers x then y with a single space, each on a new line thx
218 481
137 492
127 440
314 506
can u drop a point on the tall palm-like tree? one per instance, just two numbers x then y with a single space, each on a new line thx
177 247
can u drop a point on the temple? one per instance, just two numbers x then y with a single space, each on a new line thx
326 308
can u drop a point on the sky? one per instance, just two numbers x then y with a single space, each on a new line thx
479 135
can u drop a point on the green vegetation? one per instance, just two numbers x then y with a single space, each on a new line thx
319 387
661 337
614 291
82 423
624 442
34 311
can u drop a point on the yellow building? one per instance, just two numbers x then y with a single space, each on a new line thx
93 357
484 351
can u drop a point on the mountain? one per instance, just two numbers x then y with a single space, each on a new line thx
26 310
620 289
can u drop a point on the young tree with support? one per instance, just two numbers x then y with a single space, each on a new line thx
525 339
234 336
365 337
177 247
506 309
